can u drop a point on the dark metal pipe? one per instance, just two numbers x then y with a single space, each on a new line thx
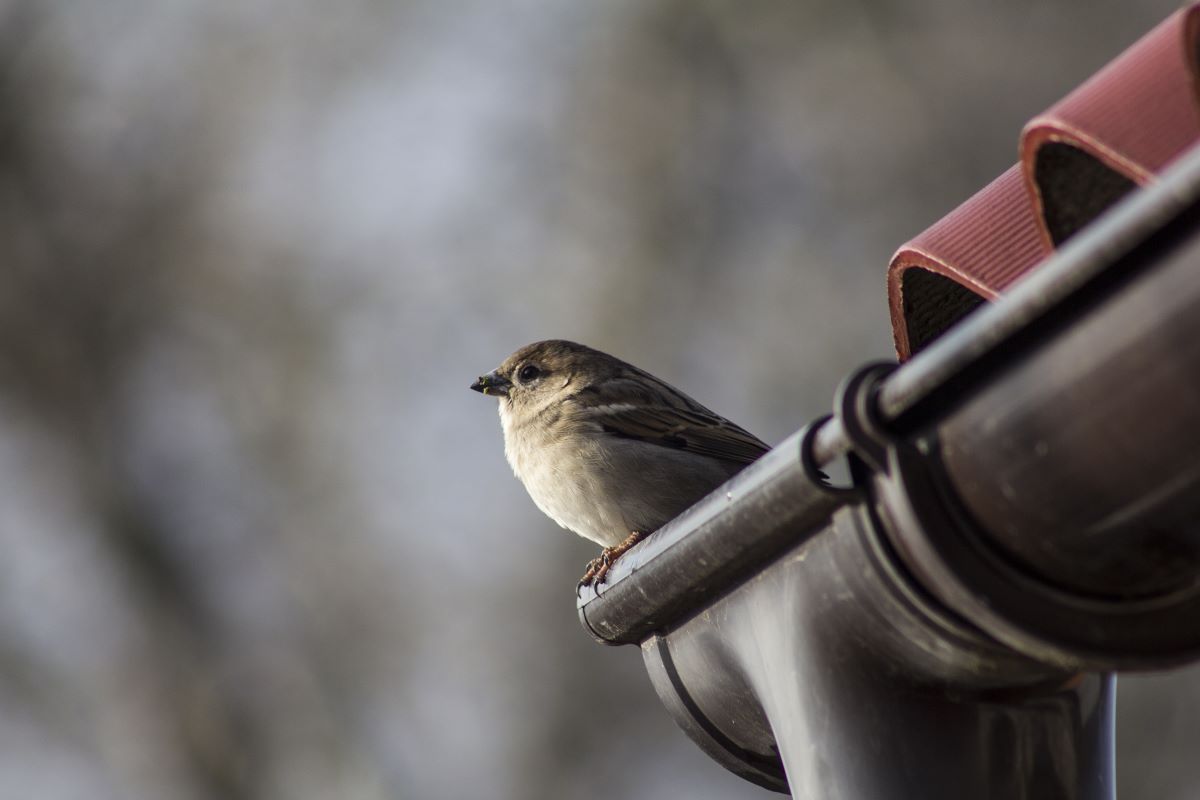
1080 462
1059 433
1026 507
716 544
830 675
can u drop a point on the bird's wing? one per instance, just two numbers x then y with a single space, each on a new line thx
695 430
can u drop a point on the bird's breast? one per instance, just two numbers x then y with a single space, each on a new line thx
567 477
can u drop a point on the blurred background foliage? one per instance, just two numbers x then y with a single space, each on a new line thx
258 540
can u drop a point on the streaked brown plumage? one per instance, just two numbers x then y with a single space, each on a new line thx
605 449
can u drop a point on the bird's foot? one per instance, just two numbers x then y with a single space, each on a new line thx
597 568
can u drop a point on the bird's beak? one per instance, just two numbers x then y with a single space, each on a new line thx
492 383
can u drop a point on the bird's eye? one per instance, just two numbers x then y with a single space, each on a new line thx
528 373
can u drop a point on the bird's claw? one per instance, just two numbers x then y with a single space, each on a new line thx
597 571
597 568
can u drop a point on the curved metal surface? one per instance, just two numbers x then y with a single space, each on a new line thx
717 543
831 667
1037 512
1082 462
743 525
957 561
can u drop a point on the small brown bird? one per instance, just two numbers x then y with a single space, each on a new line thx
605 449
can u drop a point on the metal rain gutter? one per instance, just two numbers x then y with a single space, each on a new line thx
1024 511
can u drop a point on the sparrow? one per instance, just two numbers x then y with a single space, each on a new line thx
607 450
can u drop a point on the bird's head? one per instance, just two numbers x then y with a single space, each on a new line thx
543 372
